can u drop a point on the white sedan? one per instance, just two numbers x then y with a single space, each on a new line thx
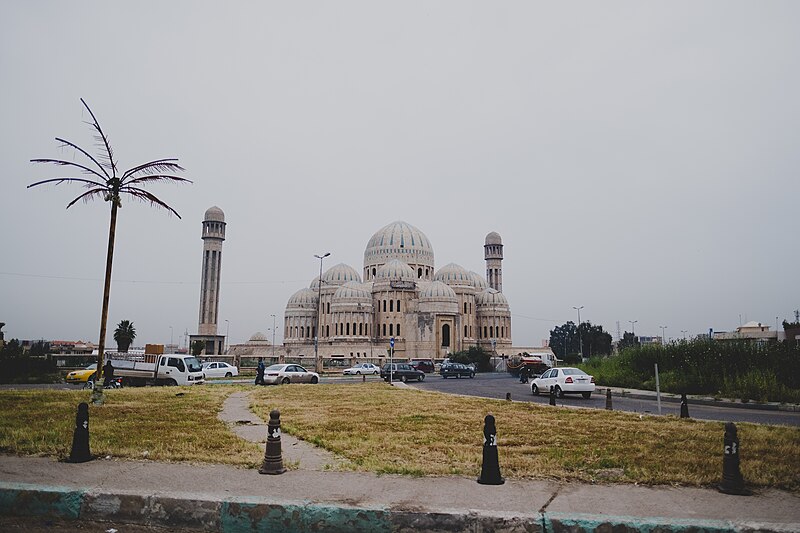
285 374
362 368
564 380
219 370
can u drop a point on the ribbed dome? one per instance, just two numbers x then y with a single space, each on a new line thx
491 297
303 298
399 240
395 270
437 290
352 290
494 238
478 281
340 274
454 274
214 214
258 337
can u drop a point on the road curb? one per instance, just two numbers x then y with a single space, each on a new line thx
242 514
671 398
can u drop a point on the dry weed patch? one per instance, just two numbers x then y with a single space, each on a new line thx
392 430
163 424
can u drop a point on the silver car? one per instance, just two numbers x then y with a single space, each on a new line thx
288 373
564 380
214 369
362 368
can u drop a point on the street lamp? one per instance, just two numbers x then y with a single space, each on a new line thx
662 334
227 331
319 303
633 327
170 338
580 344
273 338
684 333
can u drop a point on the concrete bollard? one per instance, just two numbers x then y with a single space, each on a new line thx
273 461
609 407
684 406
552 396
732 480
508 396
490 468
80 438
363 378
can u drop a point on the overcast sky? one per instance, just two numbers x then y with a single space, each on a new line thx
639 159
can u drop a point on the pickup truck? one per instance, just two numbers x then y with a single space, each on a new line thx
156 369
401 372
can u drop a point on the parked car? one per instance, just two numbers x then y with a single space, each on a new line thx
82 376
284 374
456 369
218 369
401 372
424 365
362 368
564 380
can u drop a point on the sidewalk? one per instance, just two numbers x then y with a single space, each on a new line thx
699 400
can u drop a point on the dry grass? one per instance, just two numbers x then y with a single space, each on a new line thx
152 423
390 430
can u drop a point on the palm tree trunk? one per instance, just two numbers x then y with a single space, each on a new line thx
112 230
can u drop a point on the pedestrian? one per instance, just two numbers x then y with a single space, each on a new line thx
108 373
523 374
260 372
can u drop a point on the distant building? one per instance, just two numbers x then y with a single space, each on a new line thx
753 331
213 237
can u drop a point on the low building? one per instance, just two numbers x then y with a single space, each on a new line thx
752 331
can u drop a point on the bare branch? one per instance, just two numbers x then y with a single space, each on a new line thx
103 138
84 152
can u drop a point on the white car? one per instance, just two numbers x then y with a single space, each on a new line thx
219 370
285 374
362 368
564 380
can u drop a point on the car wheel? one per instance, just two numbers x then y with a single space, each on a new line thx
559 392
285 381
534 390
228 375
421 377
358 372
172 383
587 395
314 380
472 375
444 377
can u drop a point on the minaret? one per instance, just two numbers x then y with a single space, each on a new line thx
493 253
213 236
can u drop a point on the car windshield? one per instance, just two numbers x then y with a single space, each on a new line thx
93 366
573 372
275 367
193 364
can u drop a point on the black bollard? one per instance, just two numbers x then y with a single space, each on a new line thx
508 396
684 406
80 438
490 469
732 480
552 396
609 407
273 462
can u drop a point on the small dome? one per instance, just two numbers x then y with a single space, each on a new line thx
454 274
437 290
478 281
303 298
340 274
352 291
258 337
395 270
491 297
494 238
214 214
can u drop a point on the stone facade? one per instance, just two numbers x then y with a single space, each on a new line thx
428 313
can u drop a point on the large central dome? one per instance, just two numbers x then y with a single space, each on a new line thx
402 241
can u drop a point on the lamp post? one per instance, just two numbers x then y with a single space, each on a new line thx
170 338
633 328
580 344
319 303
684 333
273 338
227 331
662 334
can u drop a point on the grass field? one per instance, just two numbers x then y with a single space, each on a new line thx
385 429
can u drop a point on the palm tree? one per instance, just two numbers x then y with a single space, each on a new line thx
124 335
103 181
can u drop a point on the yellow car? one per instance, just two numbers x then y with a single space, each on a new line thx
82 376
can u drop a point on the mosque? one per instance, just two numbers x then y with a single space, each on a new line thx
400 299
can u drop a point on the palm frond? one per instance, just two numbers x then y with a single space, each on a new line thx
61 162
88 195
102 140
87 183
65 142
146 196
156 177
159 165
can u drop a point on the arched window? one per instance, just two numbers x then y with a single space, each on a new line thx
391 306
484 332
491 332
384 306
419 272
465 331
398 330
445 335
327 331
314 332
354 328
348 328
302 331
328 305
398 306
361 329
384 330
465 310
391 330
373 272
341 329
